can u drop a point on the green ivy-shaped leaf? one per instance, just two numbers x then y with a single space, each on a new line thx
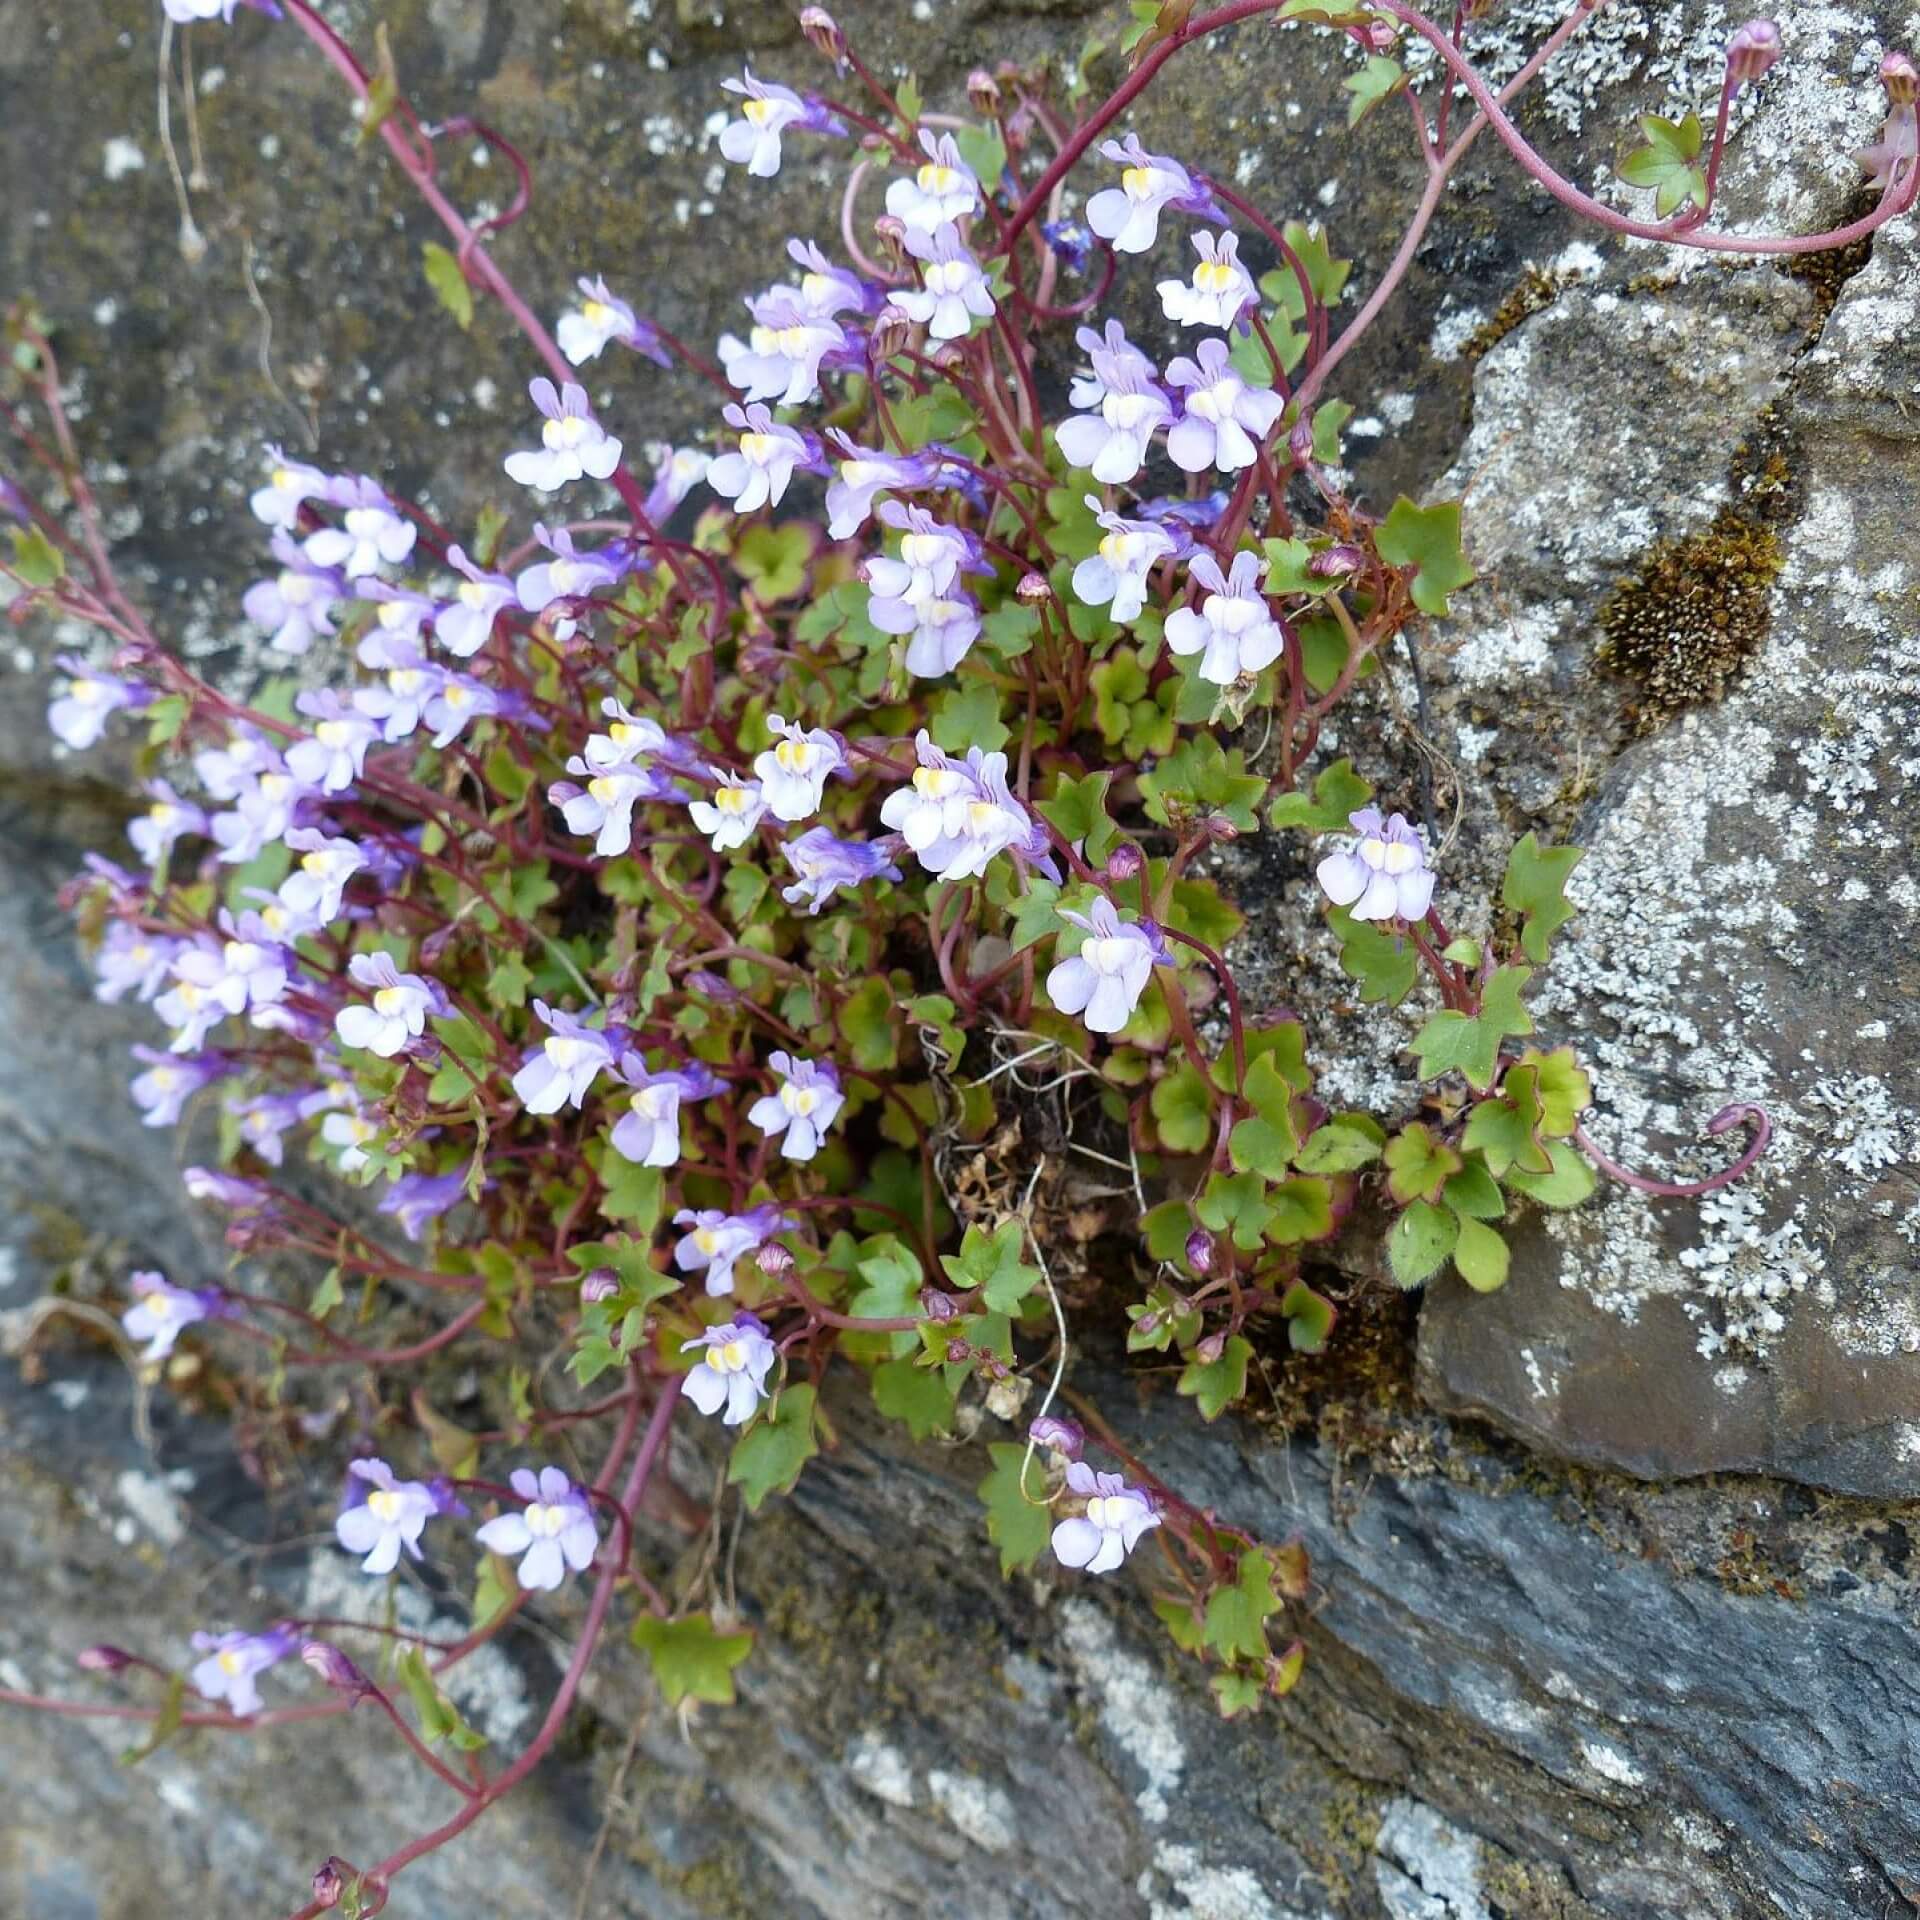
917 1395
992 1263
1669 163
1505 1127
1338 792
969 716
1536 888
1341 1144
1200 777
1265 1142
1300 1209
1375 82
1236 1204
1474 1194
1383 965
1078 812
1018 1525
767 1458
1215 1385
691 1658
1237 1616
1426 539
1182 1110
1420 1242
1571 1182
1565 1089
1310 1317
1471 1042
866 1022
1418 1165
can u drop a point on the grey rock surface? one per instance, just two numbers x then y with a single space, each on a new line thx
1553 1674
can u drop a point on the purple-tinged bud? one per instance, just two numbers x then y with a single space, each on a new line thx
1377 36
1063 1437
1300 443
1200 1250
958 1350
1751 51
331 1882
1901 80
1148 1322
938 1305
715 986
890 232
892 329
103 1659
601 1284
773 1260
1125 862
1335 563
1208 1351
1033 590
1221 830
823 34
335 1670
983 91
950 358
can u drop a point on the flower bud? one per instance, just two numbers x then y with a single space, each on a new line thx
983 91
1221 830
103 1659
1063 1437
773 1260
823 34
1901 80
938 1305
892 329
950 358
1200 1250
1125 862
601 1284
334 1670
1300 442
1751 51
1377 36
1033 590
716 987
890 231
331 1882
1209 1350
958 1350
1335 563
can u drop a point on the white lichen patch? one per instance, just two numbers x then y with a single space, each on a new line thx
1198 1891
1613 1766
1137 1710
880 1768
1425 1867
981 1811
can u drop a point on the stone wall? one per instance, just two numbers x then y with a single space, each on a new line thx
1615 1611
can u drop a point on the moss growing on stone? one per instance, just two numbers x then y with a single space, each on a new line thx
1694 615
1537 288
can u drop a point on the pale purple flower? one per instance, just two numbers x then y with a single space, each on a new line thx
648 1133
261 814
372 532
235 1661
804 1107
132 960
1224 419
756 475
244 1198
570 574
1233 629
793 771
940 631
719 1240
573 444
396 707
162 1092
290 485
1898 148
825 863
1128 216
320 875
560 1070
263 1120
630 738
1384 875
350 1132
603 316
78 714
1219 289
382 1515
398 614
1109 354
604 806
457 699
186 12
1110 1526
161 1312
735 1359
397 1010
166 821
677 471
730 817
958 816
1067 1438
464 624
768 110
331 757
1113 442
1115 574
931 555
243 970
941 190
415 1198
1103 982
296 605
554 1531
780 359
227 772
953 292
830 289
863 473
187 1005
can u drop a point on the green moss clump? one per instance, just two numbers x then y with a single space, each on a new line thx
1537 288
1694 615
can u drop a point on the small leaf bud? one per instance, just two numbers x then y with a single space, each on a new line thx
1751 51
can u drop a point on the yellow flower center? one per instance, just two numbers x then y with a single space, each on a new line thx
794 756
757 112
734 800
230 1663
457 695
606 790
333 733
405 681
937 178
563 435
241 955
566 1052
384 1506
473 593
758 447
314 862
597 313
284 479
1117 550
728 1358
543 1521
165 1079
1214 276
707 1240
799 1101
1137 182
651 1103
89 693
389 1003
393 613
